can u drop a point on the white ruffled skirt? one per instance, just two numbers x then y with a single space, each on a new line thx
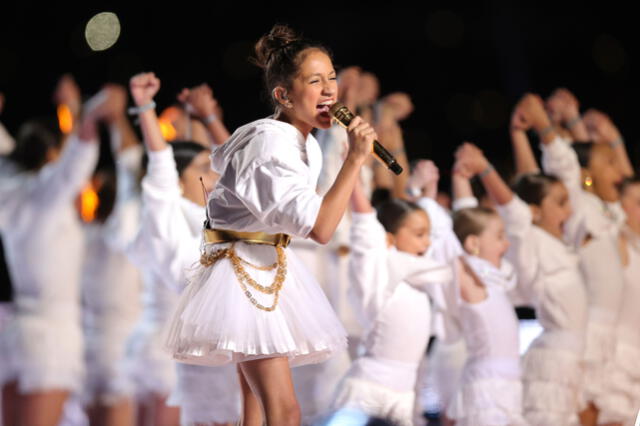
490 394
215 323
552 379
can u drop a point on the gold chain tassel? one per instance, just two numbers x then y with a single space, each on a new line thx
243 277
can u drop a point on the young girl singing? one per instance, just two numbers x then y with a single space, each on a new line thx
251 301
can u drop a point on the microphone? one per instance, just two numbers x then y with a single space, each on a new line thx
343 116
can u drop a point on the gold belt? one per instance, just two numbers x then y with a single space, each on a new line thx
280 241
212 236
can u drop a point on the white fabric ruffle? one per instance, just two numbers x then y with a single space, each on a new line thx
43 353
147 364
552 380
207 395
488 402
375 400
215 323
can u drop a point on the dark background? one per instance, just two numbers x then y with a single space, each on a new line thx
464 66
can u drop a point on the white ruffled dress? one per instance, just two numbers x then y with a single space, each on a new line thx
592 229
490 390
43 339
268 175
549 278
389 292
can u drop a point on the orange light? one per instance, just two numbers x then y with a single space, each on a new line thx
65 119
89 202
168 131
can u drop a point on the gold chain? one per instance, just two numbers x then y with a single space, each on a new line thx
244 278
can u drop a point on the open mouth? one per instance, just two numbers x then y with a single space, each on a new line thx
324 107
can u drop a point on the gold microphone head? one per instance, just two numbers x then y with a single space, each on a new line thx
341 114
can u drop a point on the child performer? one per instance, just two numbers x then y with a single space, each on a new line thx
165 247
251 301
490 392
390 278
549 275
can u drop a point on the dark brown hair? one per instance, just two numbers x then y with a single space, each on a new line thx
533 187
471 221
279 54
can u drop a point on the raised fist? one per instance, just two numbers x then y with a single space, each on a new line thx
144 87
471 157
200 100
562 106
600 127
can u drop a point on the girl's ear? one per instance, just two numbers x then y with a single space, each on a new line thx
536 213
181 187
280 95
472 245
391 239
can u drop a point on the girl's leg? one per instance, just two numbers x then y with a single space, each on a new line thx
589 416
251 410
270 381
10 401
42 408
120 413
165 415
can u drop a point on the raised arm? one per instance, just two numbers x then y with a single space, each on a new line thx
602 130
201 102
524 158
471 157
143 88
564 110
461 187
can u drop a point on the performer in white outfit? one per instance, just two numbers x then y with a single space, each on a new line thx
36 205
111 284
246 304
166 246
490 390
390 279
549 277
619 401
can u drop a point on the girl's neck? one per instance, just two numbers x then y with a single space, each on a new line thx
553 231
302 127
634 226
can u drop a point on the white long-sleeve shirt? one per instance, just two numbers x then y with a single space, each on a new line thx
170 235
41 230
389 290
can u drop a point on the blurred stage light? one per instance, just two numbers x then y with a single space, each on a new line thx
102 31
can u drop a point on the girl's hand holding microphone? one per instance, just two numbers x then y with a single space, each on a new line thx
361 137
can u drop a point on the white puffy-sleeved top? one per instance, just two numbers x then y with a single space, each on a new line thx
389 290
548 273
268 176
41 229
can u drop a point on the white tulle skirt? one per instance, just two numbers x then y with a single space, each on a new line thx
215 323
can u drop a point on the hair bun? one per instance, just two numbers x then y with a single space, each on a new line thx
279 37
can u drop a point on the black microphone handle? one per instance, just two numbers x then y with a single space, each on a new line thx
386 157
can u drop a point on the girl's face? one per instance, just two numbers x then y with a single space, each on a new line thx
200 166
554 210
313 90
604 172
630 201
413 235
492 241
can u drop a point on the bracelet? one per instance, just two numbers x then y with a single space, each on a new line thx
486 171
414 191
617 142
546 130
142 108
571 123
210 118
